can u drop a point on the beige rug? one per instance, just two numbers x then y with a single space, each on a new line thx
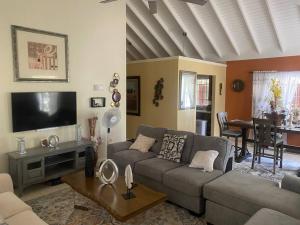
57 209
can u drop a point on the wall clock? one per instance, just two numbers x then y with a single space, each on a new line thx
238 85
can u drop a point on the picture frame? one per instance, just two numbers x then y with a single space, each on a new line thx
187 90
97 102
133 93
39 56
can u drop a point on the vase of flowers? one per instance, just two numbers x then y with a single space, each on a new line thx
276 114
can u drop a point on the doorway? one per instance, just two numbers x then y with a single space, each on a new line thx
203 104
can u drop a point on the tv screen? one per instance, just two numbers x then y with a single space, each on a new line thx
39 110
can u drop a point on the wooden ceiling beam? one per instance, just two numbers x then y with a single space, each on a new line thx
248 25
184 28
205 30
156 34
225 27
274 25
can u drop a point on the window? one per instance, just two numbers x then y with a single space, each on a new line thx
202 98
187 90
290 95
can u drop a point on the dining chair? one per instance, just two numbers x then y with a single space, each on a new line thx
266 136
225 131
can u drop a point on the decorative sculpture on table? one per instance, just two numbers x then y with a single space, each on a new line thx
129 183
53 141
158 91
104 169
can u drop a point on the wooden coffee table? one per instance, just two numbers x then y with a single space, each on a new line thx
110 196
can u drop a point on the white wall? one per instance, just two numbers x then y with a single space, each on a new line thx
97 49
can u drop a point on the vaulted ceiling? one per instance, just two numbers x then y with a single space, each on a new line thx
221 30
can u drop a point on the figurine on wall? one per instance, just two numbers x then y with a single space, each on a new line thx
158 92
116 95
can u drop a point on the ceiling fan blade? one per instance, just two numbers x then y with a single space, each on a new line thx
152 6
107 1
198 2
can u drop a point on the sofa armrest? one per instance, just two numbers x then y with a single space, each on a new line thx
6 184
291 183
117 147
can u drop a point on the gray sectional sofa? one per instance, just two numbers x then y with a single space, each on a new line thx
228 198
182 184
237 197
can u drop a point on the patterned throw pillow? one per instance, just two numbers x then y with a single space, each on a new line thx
172 147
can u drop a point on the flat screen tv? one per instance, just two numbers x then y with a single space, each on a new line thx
40 110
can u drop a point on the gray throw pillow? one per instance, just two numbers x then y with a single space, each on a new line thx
172 147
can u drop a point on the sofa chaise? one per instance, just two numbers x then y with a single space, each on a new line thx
238 197
13 211
182 184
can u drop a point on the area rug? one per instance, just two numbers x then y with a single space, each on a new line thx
265 169
58 209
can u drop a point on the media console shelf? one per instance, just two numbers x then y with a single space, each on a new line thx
42 164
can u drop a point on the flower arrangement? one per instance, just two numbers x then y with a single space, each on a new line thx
276 91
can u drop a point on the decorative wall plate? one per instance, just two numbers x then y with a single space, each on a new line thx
238 85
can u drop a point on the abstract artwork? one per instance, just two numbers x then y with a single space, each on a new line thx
42 56
39 55
133 96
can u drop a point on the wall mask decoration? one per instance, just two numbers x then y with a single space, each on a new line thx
158 92
116 95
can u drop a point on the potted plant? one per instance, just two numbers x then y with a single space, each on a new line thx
276 114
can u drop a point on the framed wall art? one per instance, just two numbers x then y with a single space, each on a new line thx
133 96
39 55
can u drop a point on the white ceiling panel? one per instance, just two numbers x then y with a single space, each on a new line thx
221 30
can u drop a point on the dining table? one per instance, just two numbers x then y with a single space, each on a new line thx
246 125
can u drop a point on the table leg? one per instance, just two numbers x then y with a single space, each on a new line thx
244 151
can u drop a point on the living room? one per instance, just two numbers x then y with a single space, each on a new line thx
112 112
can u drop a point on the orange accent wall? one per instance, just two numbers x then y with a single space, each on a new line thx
239 104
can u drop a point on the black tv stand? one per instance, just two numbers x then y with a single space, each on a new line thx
43 164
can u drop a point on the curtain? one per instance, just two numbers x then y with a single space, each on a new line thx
262 94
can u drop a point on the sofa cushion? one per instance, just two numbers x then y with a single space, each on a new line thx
291 183
204 160
271 217
247 194
142 143
11 205
154 168
153 132
205 143
117 147
26 217
123 158
187 145
172 147
189 180
1 220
